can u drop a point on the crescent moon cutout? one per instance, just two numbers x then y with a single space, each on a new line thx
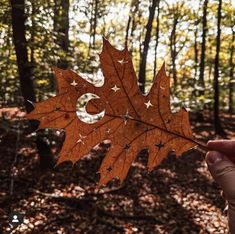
81 109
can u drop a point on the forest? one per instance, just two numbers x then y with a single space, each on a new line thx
194 38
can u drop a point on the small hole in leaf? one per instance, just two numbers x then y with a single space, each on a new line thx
168 121
160 145
109 169
81 111
127 146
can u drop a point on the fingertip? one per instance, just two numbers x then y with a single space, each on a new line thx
213 157
215 144
226 147
209 143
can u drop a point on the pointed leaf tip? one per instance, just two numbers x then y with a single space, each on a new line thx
163 68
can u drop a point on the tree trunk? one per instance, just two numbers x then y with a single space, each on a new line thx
198 114
91 28
25 70
196 50
134 22
19 40
144 54
32 31
231 72
217 124
173 50
61 27
95 22
157 38
203 47
128 27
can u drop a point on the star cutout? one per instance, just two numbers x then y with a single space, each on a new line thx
115 88
82 137
127 113
160 145
167 121
122 61
126 117
126 146
107 130
109 169
80 140
74 83
148 104
125 120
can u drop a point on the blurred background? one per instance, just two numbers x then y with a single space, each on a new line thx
196 40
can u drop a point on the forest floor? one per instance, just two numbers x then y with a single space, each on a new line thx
179 196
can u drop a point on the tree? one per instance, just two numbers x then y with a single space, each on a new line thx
131 23
196 47
156 38
93 24
231 73
176 35
144 54
61 28
178 13
203 46
173 46
217 124
26 74
24 66
128 23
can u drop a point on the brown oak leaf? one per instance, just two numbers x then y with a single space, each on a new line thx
132 121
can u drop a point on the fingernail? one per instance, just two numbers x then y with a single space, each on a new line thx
214 157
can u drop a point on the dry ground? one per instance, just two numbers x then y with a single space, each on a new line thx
177 197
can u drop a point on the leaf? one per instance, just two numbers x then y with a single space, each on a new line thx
132 121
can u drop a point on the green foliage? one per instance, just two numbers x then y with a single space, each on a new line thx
89 23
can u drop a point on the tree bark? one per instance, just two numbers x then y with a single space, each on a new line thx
231 72
25 71
95 22
128 27
134 22
196 50
156 38
203 46
61 27
19 40
199 114
218 128
144 54
173 49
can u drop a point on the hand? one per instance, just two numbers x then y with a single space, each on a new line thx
219 160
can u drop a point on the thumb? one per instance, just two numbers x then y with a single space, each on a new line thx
223 172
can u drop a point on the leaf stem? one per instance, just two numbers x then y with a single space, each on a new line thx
200 145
